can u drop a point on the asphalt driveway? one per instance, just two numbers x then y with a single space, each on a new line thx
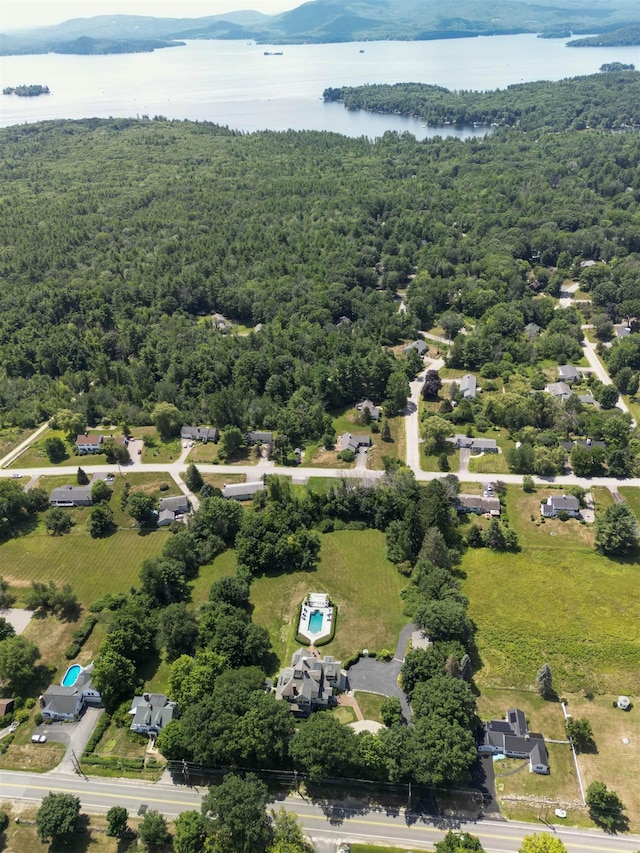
376 676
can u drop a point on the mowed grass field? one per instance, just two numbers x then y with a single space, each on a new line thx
355 573
556 601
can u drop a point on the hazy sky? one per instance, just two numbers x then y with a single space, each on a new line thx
32 13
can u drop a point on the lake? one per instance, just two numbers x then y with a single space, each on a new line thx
233 83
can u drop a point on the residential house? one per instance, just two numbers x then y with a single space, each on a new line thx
420 346
532 330
171 508
477 445
479 504
220 322
89 443
568 373
242 491
559 389
257 437
71 496
374 411
557 503
511 737
6 706
61 703
588 400
622 331
309 683
354 442
199 433
151 712
468 386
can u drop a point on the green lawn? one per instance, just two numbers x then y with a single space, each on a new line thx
489 463
93 567
533 531
567 606
162 451
632 497
36 457
370 705
354 571
11 437
396 448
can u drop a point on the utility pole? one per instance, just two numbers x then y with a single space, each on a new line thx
77 767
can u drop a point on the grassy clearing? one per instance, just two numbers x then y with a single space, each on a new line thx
616 763
93 567
208 453
396 448
219 480
32 757
353 570
162 451
370 705
35 456
489 463
602 498
560 786
222 566
632 497
343 714
560 604
432 462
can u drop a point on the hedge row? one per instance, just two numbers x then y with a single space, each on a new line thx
304 641
101 727
80 637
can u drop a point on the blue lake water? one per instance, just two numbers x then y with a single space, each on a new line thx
233 83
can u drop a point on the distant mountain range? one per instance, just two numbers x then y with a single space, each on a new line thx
322 21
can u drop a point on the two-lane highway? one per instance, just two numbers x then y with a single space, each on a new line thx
329 820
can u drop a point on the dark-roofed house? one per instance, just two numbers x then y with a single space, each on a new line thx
588 400
556 503
171 508
478 503
257 437
71 496
420 346
151 712
559 389
6 706
309 682
477 445
374 411
468 386
568 373
354 442
199 433
62 703
242 491
511 737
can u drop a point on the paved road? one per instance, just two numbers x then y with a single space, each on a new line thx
6 460
599 369
321 819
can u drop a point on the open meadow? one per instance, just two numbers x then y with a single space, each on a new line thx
555 601
355 573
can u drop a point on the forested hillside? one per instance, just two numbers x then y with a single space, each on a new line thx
120 238
608 100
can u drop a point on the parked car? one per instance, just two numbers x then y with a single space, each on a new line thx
38 738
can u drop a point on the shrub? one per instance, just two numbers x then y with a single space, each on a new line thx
164 487
83 631
346 456
101 727
30 703
72 651
4 821
37 720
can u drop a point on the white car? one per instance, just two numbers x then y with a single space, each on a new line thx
16 476
185 445
38 738
560 813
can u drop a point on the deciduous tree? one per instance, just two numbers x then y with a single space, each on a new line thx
543 843
57 818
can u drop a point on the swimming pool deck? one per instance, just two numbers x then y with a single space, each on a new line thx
309 613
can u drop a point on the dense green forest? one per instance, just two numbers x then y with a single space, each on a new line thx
608 100
624 36
120 238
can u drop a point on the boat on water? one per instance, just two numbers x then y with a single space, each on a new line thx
274 53
362 51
